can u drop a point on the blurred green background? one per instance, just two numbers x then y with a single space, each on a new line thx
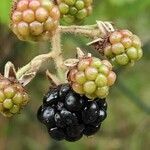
127 126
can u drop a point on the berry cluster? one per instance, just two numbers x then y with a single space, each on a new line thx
74 11
123 47
68 115
34 19
12 97
92 77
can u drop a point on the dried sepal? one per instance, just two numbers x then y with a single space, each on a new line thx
53 79
9 70
71 62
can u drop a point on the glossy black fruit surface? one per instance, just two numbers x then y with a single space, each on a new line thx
90 113
56 133
73 102
90 130
46 116
69 116
51 97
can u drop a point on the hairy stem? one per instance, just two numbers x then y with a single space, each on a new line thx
58 59
91 31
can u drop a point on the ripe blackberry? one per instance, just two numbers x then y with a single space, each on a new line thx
91 77
13 97
74 11
34 19
122 47
69 116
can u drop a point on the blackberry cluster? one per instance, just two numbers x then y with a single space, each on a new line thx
34 19
123 48
69 116
12 97
74 11
92 77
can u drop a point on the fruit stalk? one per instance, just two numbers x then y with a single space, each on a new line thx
100 29
91 31
58 59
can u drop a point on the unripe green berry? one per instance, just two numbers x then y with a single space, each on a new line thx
83 64
28 16
15 109
70 2
108 51
91 96
64 8
41 14
25 99
126 33
104 69
96 62
136 42
49 24
48 5
81 14
102 92
18 98
23 28
34 5
79 4
36 28
121 47
80 77
22 5
101 80
140 53
111 78
132 53
73 10
89 87
2 96
7 103
107 63
127 42
9 92
55 13
122 59
78 88
115 37
118 48
17 16
68 18
91 73
72 74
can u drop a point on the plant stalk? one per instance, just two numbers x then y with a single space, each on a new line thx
91 31
58 58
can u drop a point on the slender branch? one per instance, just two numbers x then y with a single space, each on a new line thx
34 65
92 31
58 59
88 31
